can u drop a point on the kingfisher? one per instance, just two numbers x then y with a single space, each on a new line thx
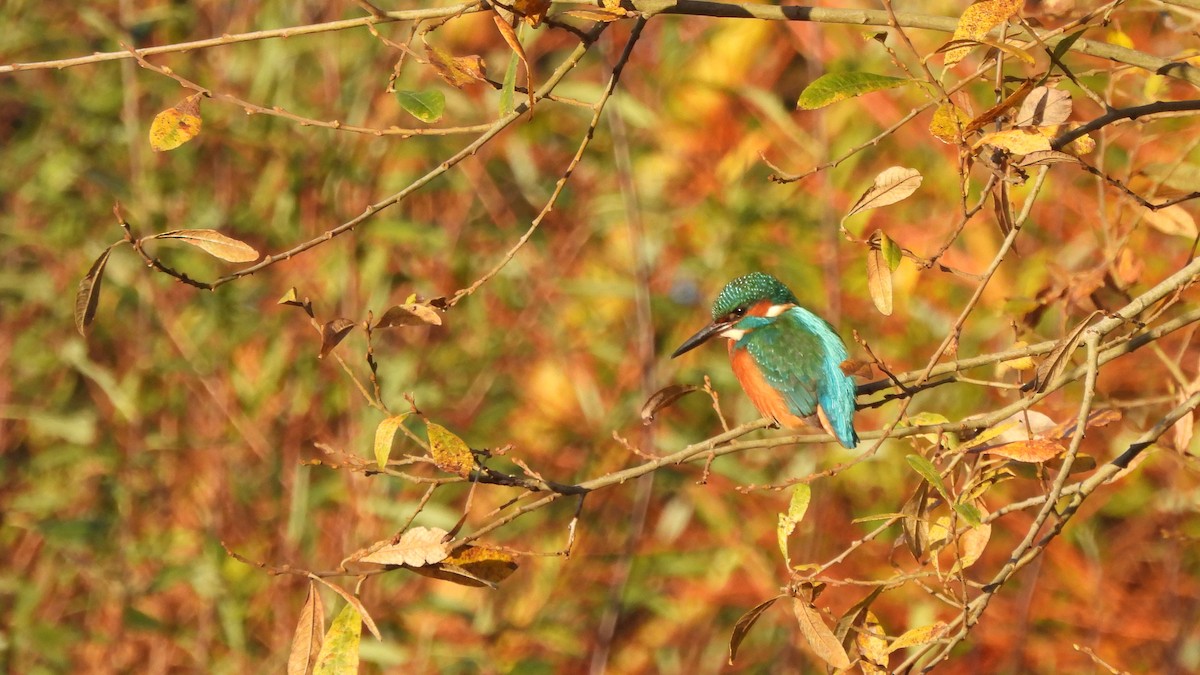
787 359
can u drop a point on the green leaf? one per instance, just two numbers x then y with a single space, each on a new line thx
969 513
339 653
426 106
507 92
926 469
833 87
891 251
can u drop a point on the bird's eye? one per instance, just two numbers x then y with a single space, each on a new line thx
739 311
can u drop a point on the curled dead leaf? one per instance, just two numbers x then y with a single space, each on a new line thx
88 294
663 398
332 333
409 314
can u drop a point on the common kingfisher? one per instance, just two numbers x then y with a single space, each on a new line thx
787 359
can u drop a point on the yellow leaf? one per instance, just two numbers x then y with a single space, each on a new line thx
339 654
1118 37
385 433
872 648
599 14
175 126
450 453
918 636
948 122
1016 141
473 566
1019 363
1082 145
977 20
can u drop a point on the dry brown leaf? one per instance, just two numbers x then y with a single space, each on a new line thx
533 11
1056 362
663 398
510 38
417 547
879 277
332 333
822 640
310 632
995 112
1044 107
409 314
88 294
1046 157
977 20
457 71
745 623
358 607
450 453
214 243
890 186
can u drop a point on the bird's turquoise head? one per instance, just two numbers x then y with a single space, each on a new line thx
747 291
743 304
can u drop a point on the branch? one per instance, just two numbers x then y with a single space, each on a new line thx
1118 114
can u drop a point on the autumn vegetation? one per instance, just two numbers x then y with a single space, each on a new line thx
336 336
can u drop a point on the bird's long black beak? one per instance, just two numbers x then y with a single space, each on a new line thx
701 336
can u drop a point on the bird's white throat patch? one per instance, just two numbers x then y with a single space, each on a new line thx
734 334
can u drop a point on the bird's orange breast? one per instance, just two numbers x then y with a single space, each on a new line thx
766 398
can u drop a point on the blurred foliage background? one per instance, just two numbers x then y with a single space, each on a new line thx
186 420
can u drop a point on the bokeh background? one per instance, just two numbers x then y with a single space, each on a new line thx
188 419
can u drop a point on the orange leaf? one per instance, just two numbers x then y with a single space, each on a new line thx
1036 450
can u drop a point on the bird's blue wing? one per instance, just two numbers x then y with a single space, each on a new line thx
801 355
